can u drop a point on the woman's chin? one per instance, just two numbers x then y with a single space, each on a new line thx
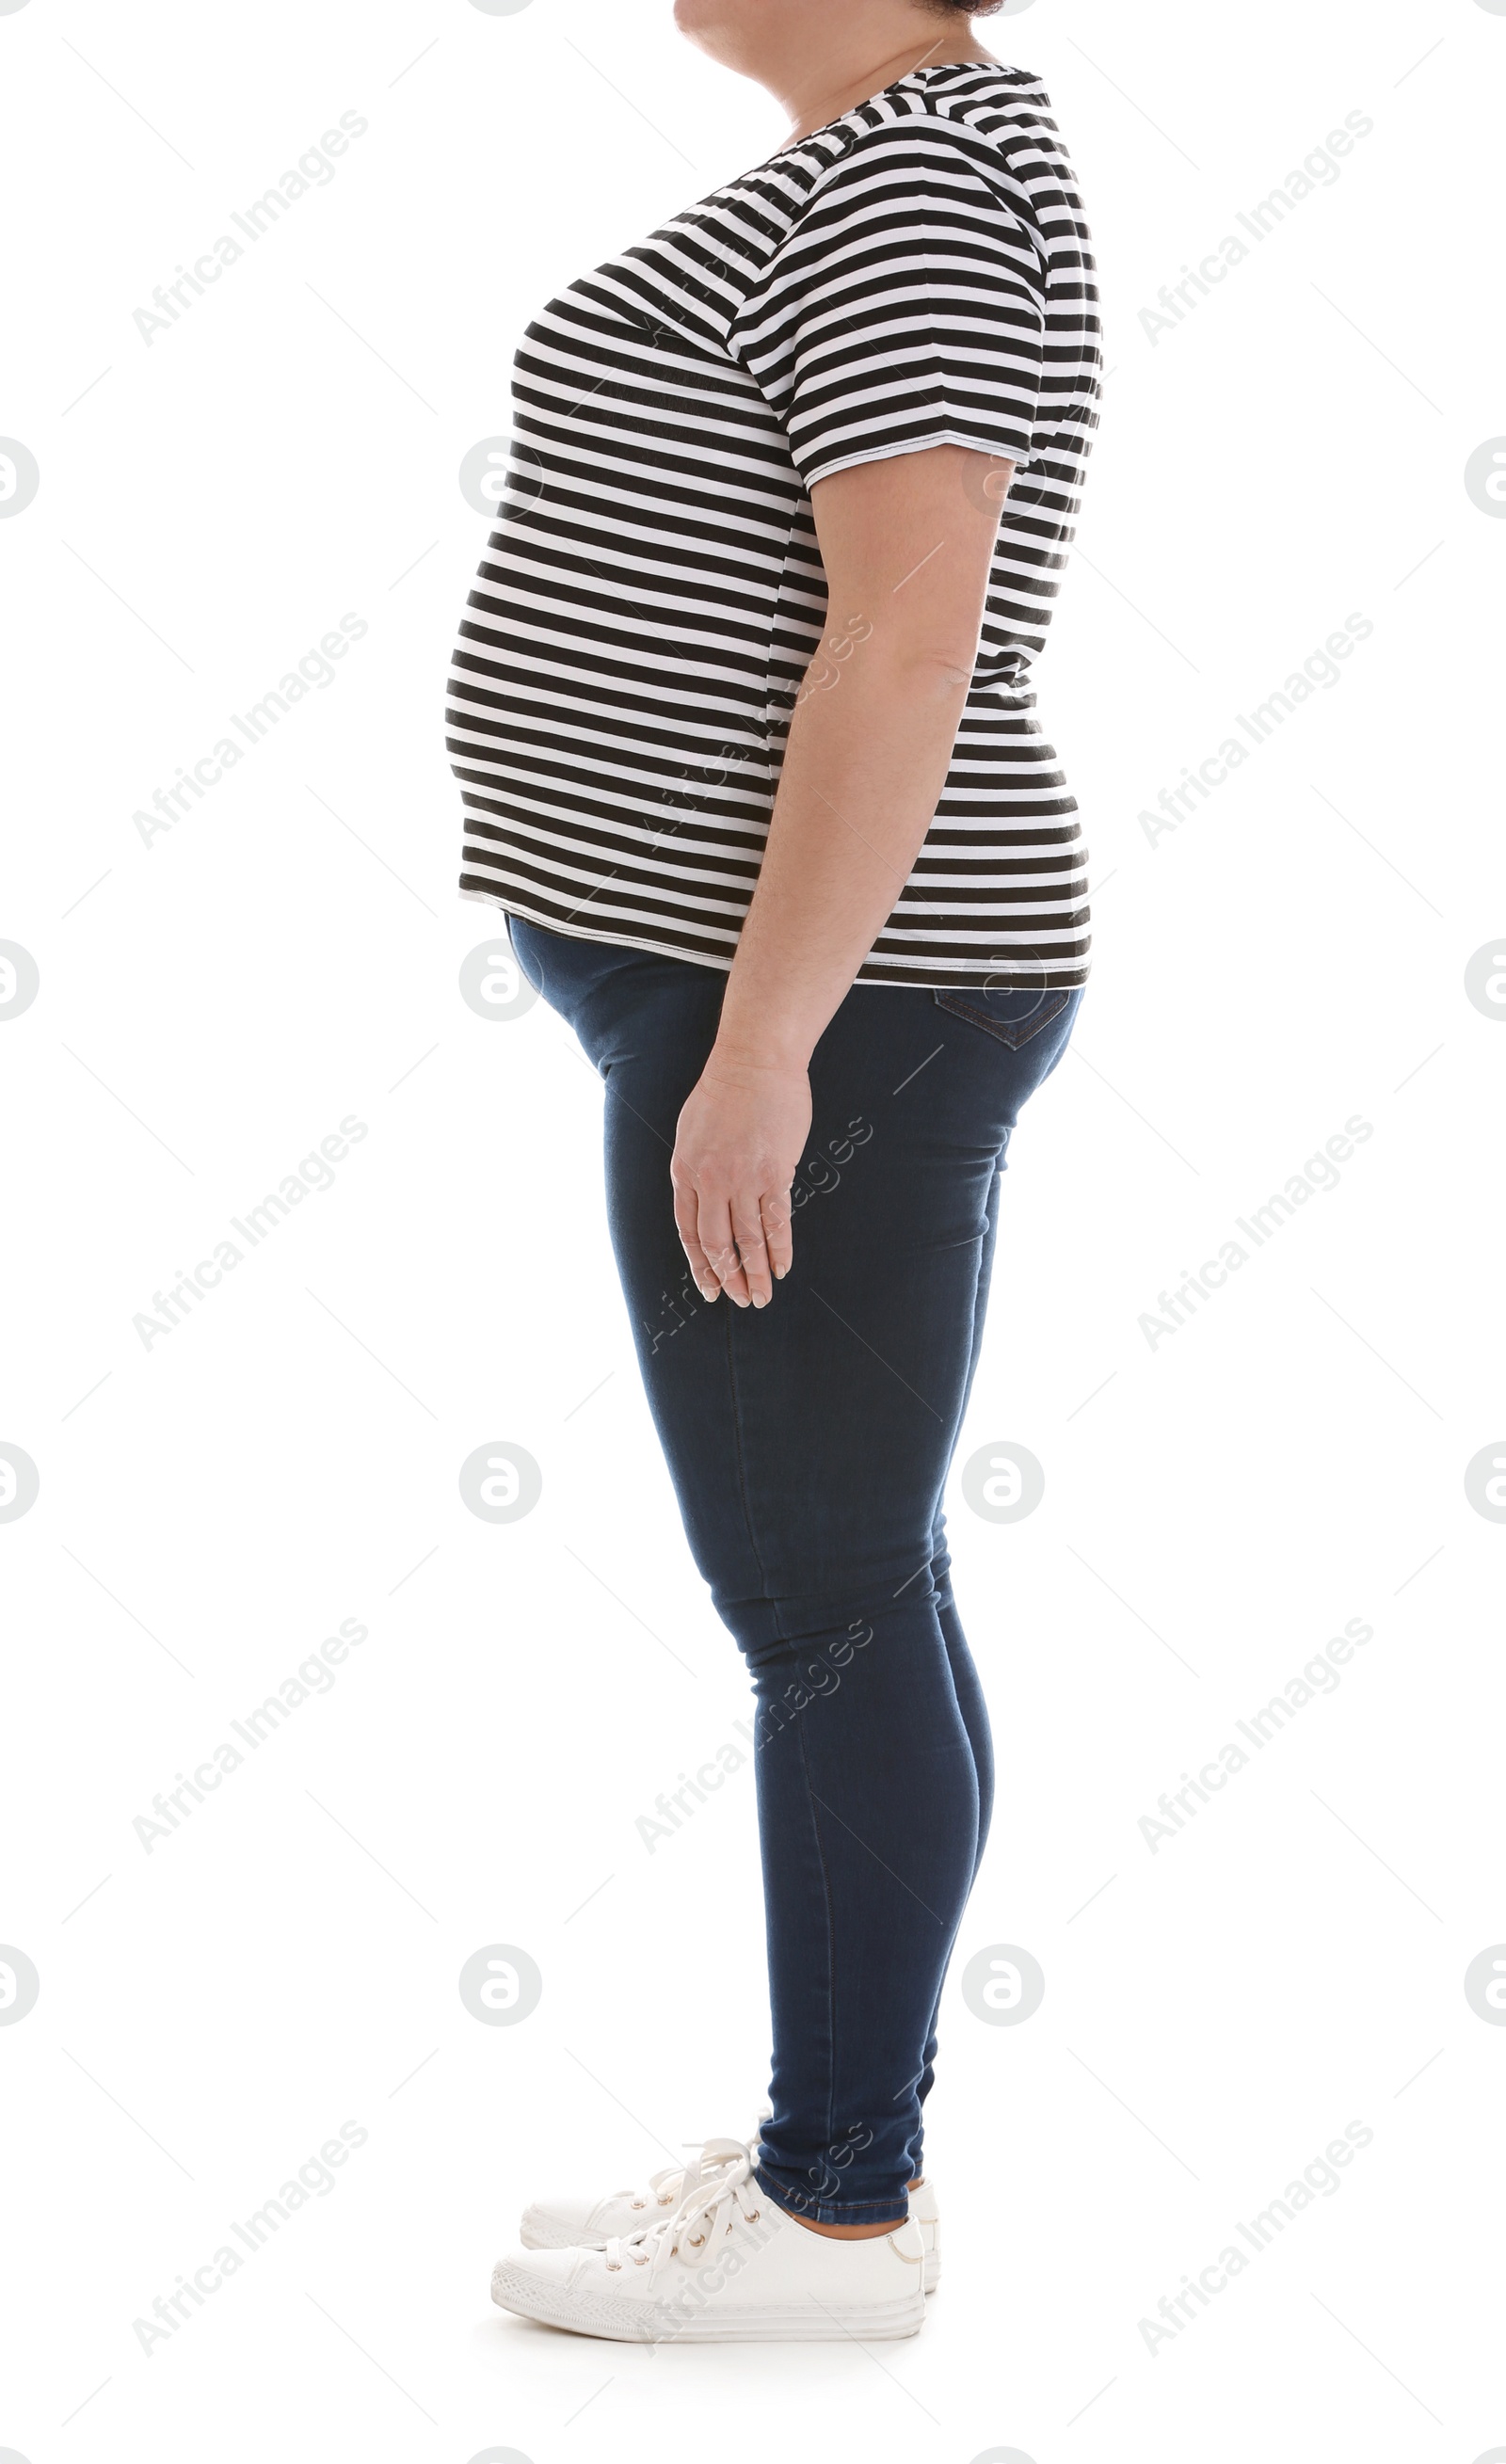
709 22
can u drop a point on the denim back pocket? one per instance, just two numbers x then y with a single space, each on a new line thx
1012 1012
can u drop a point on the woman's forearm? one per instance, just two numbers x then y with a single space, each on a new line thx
869 750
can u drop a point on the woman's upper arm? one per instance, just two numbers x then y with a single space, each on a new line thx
907 543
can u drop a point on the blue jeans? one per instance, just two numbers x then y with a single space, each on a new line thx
809 1444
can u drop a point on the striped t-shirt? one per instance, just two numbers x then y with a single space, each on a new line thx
915 274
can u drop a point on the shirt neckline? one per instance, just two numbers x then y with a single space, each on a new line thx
910 77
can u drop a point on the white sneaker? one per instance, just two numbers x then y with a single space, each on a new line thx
723 2266
570 2222
925 2212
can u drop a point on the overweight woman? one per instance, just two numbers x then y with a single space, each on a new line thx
742 714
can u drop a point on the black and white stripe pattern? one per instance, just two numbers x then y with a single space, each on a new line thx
915 274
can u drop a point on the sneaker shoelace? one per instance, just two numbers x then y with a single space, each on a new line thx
718 2189
667 2186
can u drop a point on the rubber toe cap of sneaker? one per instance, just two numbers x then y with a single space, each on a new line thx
560 2224
550 2271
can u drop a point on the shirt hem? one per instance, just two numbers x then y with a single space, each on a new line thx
923 444
970 976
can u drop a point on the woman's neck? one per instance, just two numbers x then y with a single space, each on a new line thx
827 96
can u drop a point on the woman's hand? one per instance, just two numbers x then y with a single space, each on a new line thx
741 1136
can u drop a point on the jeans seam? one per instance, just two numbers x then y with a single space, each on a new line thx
831 1935
805 1766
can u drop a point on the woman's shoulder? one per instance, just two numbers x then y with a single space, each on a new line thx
964 107
979 105
981 118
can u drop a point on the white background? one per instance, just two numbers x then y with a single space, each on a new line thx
215 1002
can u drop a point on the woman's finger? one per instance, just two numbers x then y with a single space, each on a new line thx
700 1266
779 1230
748 1225
714 1229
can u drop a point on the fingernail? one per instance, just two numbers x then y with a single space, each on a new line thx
760 1300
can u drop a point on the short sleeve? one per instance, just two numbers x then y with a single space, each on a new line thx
904 308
